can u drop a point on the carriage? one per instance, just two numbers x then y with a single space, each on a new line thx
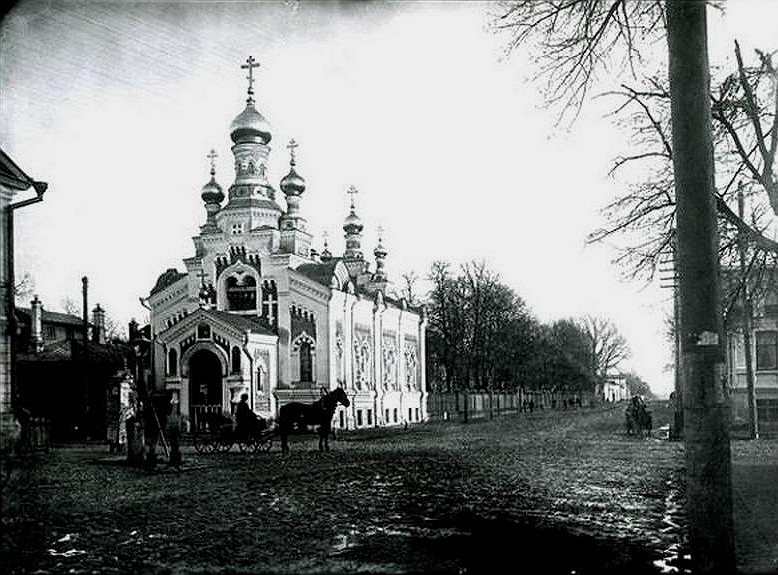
219 434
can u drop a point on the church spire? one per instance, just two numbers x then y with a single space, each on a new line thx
380 255
212 195
353 228
294 237
326 255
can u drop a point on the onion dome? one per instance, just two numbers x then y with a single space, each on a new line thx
352 224
292 184
212 191
250 126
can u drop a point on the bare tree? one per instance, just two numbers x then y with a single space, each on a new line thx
608 347
410 280
575 38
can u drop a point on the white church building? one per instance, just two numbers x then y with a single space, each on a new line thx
258 311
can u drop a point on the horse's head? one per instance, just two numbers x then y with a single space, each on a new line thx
339 395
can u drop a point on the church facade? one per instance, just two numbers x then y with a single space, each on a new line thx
256 310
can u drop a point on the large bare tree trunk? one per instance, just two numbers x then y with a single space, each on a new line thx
709 489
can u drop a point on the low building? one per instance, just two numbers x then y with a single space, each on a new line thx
63 372
764 359
614 388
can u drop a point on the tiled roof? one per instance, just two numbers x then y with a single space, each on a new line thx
54 317
242 322
69 349
169 277
319 272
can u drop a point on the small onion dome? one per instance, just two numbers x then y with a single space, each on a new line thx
292 184
250 126
352 224
379 252
212 192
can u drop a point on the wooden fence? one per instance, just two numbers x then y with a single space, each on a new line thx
446 405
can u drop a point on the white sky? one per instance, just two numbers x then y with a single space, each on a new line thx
116 106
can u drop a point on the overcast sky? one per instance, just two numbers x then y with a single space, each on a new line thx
116 105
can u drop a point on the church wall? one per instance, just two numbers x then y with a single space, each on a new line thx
315 300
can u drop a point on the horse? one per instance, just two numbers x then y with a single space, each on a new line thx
300 415
638 418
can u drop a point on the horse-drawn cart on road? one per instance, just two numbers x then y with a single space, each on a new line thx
220 434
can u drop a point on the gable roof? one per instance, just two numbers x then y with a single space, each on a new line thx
54 317
241 322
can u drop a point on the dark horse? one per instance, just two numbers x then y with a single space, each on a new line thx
298 416
638 418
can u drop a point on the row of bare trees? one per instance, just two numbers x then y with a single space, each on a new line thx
482 336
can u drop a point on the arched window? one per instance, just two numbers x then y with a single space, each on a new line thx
306 362
236 359
172 362
241 294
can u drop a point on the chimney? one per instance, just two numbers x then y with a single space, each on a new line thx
36 328
98 321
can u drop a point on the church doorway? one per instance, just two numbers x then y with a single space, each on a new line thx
205 386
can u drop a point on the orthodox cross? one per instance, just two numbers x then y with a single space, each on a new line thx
292 145
325 236
380 230
250 65
352 191
212 155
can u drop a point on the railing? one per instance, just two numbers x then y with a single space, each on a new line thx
35 434
199 416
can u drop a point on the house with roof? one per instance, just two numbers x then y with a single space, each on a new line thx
63 370
257 310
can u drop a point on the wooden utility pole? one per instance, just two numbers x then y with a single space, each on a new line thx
745 299
706 435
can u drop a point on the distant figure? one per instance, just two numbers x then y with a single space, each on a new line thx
531 405
246 421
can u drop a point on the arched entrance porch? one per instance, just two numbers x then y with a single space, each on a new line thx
206 390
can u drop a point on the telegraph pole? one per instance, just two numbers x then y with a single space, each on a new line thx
745 299
706 434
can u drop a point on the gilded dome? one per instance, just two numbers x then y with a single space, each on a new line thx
250 126
292 184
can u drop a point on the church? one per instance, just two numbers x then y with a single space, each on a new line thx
258 310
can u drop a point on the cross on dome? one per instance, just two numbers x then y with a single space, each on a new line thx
292 145
250 65
212 155
352 191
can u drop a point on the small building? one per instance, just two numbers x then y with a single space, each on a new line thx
64 372
764 359
614 388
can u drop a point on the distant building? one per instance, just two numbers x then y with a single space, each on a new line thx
764 357
614 388
259 311
56 379
12 182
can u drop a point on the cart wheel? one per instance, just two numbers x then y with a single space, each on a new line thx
200 443
265 445
245 446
